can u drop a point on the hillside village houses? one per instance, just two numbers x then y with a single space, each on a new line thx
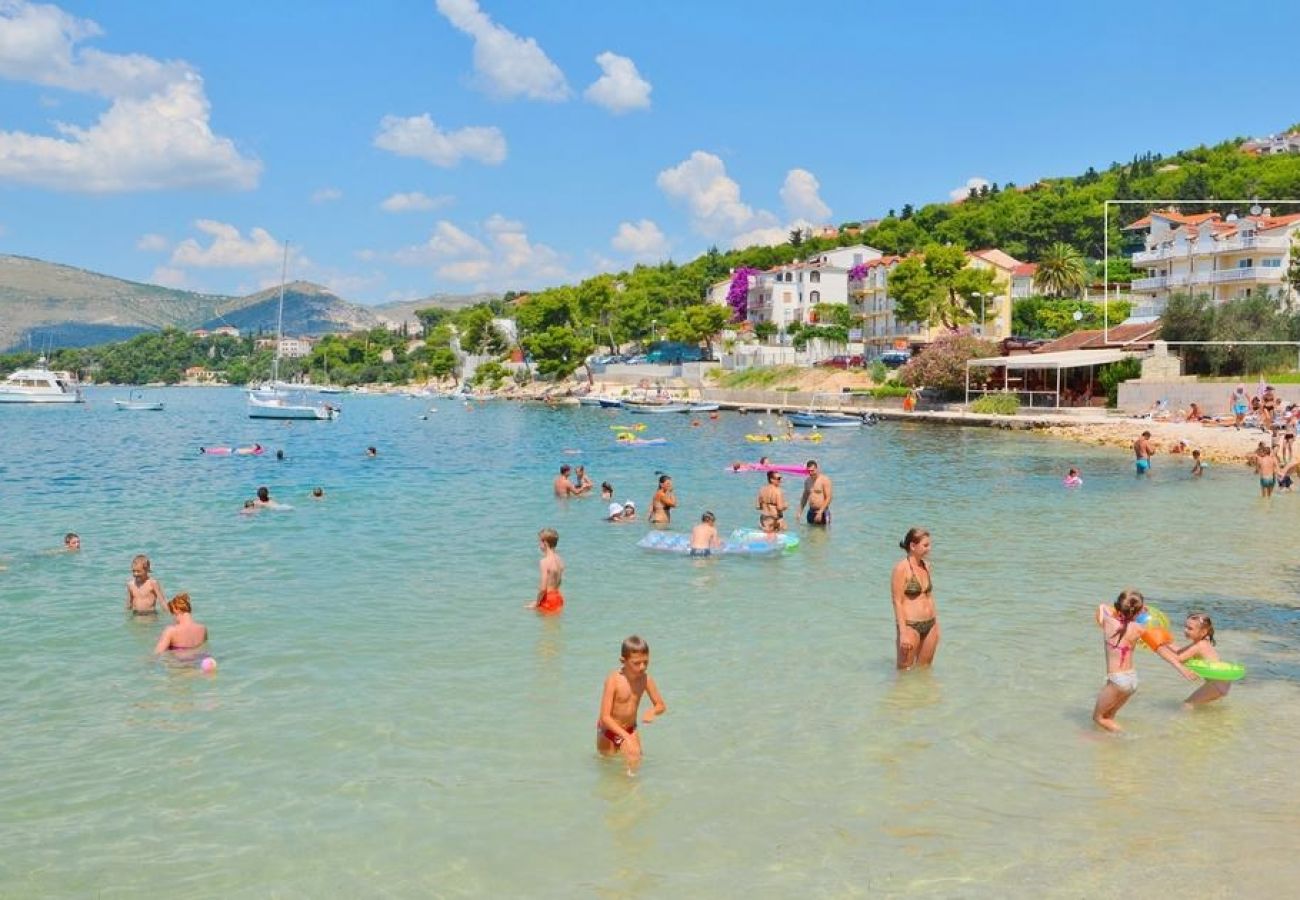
290 347
225 330
787 294
1273 144
1224 257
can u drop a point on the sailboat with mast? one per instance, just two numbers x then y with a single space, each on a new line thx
277 403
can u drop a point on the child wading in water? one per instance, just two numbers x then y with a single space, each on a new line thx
616 726
1199 629
1120 633
143 592
550 572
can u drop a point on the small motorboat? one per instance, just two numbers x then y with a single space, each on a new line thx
609 402
137 402
824 420
703 407
655 407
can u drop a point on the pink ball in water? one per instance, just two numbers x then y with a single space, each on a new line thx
208 665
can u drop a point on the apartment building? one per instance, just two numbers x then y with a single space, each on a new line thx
882 330
787 294
1224 257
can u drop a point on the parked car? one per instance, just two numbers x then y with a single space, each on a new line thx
895 358
841 362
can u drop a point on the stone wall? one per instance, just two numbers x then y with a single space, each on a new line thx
1138 395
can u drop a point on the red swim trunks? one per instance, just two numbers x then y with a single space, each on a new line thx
613 737
552 602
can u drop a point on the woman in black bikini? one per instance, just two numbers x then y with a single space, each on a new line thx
912 592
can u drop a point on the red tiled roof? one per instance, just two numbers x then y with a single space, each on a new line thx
1173 216
1095 339
996 257
1025 270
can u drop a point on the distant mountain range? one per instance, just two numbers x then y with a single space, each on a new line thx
55 305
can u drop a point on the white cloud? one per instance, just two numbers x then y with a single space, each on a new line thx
712 197
504 257
621 89
168 277
761 237
152 243
154 135
415 201
231 250
507 64
326 195
640 240
962 192
801 198
420 137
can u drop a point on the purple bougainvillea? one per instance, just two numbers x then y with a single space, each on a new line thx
858 272
738 294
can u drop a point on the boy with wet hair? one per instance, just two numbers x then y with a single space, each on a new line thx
620 701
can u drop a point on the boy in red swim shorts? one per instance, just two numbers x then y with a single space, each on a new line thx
551 569
616 726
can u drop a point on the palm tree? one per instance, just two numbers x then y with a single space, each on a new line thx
1061 271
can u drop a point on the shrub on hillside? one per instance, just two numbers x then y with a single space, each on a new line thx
942 365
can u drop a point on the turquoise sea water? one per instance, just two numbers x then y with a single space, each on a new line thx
388 721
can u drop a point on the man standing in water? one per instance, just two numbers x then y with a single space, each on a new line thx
817 494
562 485
771 501
1143 451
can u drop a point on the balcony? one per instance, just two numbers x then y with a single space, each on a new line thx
1228 245
1254 273
1149 284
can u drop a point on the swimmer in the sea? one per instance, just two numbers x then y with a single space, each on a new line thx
71 542
704 536
143 592
185 634
318 493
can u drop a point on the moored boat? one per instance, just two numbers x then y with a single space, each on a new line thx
137 402
39 385
824 420
654 407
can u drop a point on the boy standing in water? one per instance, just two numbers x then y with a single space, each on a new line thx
551 573
143 592
616 725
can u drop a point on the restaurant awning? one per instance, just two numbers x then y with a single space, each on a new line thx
1062 359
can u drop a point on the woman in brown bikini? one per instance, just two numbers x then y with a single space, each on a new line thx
912 592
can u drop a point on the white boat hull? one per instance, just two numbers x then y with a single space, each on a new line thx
259 408
138 405
652 409
21 397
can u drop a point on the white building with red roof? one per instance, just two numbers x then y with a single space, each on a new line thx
1223 257
790 293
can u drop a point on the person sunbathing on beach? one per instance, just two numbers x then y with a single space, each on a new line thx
620 701
143 592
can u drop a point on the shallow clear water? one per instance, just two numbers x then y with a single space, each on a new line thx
387 719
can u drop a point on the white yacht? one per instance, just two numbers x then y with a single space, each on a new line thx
273 400
40 385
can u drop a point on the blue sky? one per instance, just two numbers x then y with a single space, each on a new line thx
407 147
